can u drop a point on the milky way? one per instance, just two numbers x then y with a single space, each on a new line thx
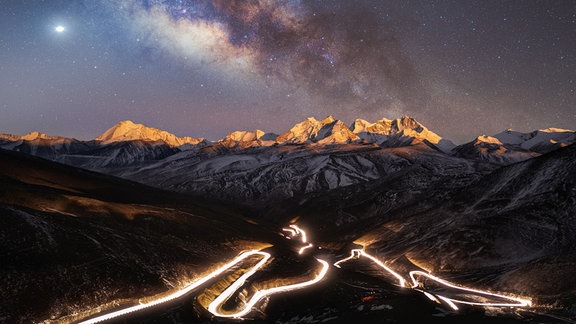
343 51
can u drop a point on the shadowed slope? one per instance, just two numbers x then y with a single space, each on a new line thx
72 239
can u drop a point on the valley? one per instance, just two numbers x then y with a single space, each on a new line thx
360 221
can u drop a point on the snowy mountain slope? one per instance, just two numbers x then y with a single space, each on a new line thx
35 143
491 149
253 166
129 131
93 155
245 139
399 132
277 173
326 131
511 146
107 158
514 227
540 141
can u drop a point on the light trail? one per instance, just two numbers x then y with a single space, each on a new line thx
218 302
292 231
356 253
216 305
430 296
178 293
301 232
449 302
302 249
295 231
517 302
520 302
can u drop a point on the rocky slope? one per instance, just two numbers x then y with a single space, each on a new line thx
71 240
511 230
313 156
273 174
491 149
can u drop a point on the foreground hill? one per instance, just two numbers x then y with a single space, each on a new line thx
71 239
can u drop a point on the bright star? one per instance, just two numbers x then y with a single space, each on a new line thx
59 29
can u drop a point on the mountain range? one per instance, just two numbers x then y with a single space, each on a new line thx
313 156
385 133
138 210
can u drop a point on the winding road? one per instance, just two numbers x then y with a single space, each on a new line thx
451 295
469 295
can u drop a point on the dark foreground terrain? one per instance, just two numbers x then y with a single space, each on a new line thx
75 243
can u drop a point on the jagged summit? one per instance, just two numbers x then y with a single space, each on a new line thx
244 139
326 131
129 131
399 129
385 132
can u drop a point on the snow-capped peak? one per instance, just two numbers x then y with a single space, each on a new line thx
244 139
245 136
37 135
325 131
541 141
383 129
488 140
129 131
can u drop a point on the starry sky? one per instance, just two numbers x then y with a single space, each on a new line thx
204 68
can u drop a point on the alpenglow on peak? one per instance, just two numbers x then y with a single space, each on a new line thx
129 131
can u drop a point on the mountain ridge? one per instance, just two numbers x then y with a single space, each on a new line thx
128 130
128 144
400 131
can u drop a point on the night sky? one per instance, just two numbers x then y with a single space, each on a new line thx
206 68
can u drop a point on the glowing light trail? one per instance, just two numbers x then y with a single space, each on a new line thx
224 296
302 249
356 253
301 232
216 305
516 302
178 293
295 231
218 302
519 302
